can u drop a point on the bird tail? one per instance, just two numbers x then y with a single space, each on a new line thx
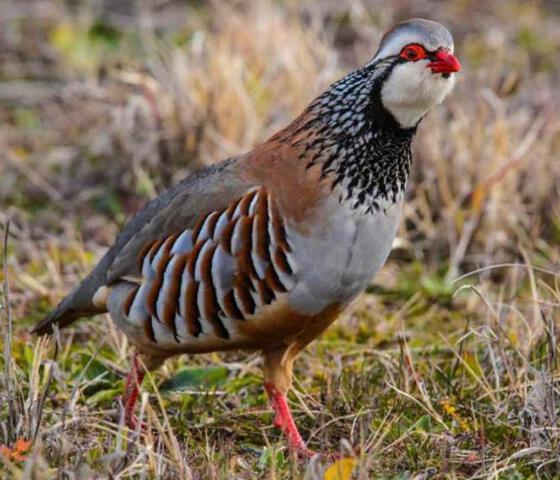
79 303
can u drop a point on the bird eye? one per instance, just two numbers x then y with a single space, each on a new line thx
413 52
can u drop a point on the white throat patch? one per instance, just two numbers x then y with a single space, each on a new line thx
411 90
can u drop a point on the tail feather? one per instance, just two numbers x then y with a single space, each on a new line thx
64 314
76 305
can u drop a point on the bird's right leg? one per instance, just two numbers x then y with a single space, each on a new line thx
277 381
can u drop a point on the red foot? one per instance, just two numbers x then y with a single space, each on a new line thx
285 422
130 420
131 393
133 424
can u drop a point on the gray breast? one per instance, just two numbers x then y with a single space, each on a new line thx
345 249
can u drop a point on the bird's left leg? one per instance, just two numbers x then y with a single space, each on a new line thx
132 391
133 384
278 365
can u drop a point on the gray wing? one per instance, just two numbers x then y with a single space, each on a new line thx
178 208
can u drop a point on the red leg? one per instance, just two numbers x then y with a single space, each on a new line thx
285 422
132 391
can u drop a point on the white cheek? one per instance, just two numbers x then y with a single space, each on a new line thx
412 90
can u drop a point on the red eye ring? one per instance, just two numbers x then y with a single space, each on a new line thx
413 52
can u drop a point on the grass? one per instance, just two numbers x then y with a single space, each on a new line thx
446 368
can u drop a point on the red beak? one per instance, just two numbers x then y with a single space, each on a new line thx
445 62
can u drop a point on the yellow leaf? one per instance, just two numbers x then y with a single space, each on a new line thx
20 153
63 36
478 197
452 412
449 409
340 470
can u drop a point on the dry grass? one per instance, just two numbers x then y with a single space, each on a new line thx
440 374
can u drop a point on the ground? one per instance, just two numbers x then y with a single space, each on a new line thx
447 367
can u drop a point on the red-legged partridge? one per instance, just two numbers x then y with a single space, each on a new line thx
264 250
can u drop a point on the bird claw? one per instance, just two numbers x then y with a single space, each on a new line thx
332 457
134 424
131 420
278 421
284 421
302 452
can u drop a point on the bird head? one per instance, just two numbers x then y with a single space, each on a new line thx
416 57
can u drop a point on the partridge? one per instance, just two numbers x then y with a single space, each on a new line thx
264 250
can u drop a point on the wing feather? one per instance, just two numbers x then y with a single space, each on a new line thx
227 276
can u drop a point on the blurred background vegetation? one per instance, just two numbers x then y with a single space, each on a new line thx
104 104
